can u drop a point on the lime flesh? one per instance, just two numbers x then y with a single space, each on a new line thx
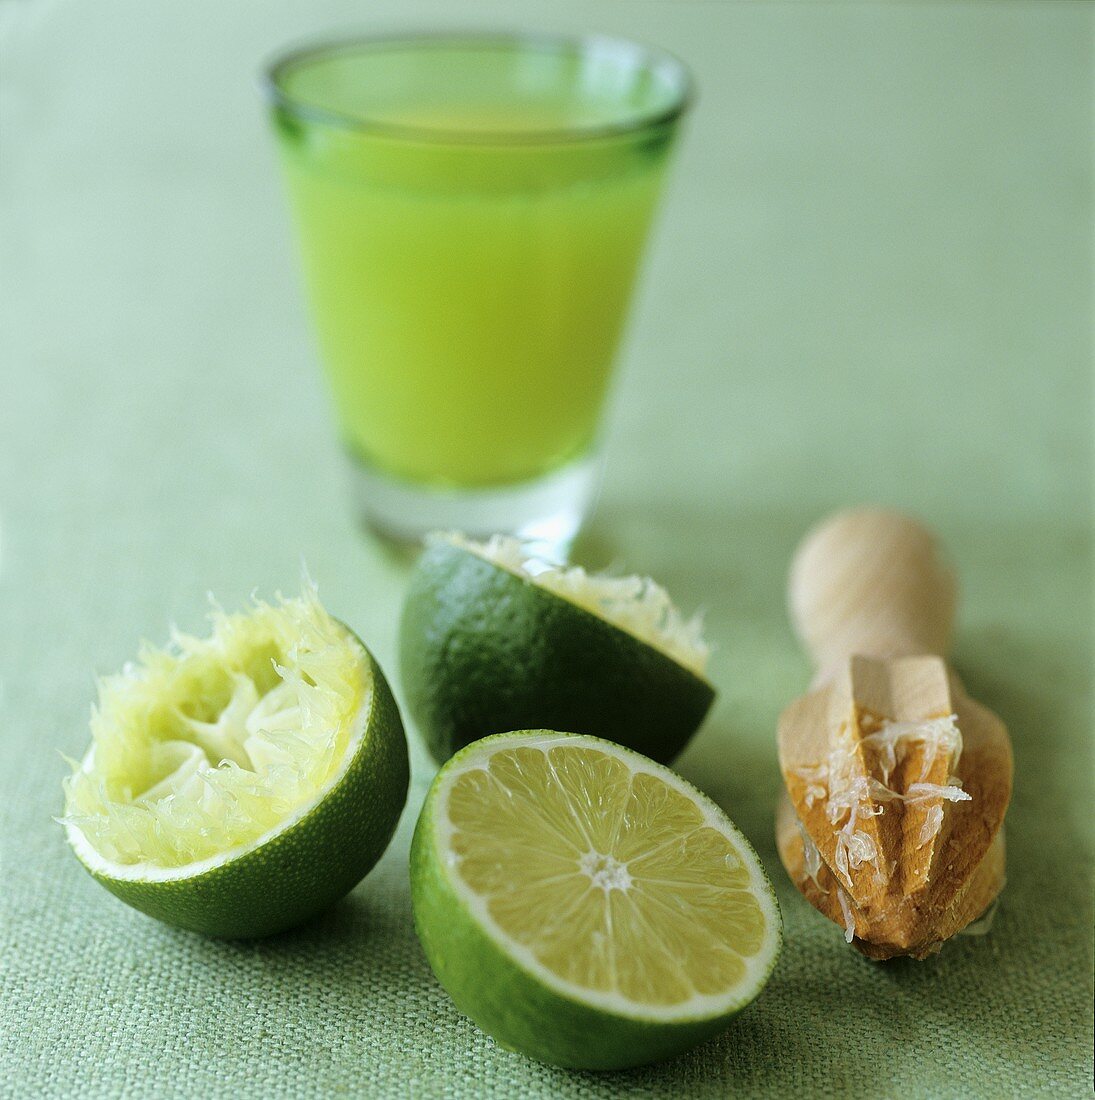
584 905
485 649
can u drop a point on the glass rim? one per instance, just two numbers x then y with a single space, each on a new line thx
649 57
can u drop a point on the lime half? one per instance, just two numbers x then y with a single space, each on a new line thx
494 639
585 905
239 784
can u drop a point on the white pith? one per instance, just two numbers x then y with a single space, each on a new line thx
607 874
637 605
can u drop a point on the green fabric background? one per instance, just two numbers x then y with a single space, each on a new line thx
871 282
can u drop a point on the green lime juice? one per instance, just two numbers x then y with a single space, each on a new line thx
469 266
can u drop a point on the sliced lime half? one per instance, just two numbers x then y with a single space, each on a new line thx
585 905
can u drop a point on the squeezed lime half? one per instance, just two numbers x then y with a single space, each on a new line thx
494 639
240 783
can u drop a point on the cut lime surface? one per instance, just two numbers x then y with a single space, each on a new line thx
238 784
585 905
493 640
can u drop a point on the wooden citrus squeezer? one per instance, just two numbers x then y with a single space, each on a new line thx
896 781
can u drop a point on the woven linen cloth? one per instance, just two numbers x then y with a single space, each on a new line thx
870 282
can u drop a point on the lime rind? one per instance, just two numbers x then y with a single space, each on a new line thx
637 605
205 746
698 1009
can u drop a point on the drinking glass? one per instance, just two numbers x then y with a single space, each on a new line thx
471 211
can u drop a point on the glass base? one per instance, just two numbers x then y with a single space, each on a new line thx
547 511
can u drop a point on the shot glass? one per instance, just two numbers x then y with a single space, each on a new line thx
471 212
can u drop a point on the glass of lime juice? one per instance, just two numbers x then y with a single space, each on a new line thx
471 212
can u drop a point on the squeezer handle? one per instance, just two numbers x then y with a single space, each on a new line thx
871 583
